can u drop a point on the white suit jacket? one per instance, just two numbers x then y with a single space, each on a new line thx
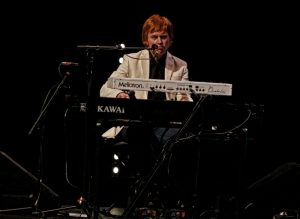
137 65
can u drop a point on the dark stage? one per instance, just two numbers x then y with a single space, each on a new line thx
225 165
206 176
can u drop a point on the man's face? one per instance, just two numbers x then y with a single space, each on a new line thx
162 41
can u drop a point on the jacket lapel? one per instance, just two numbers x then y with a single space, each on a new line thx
169 66
144 70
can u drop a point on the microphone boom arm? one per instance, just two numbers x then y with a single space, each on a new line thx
44 110
116 47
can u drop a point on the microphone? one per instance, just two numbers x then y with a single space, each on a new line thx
132 95
69 64
153 47
65 68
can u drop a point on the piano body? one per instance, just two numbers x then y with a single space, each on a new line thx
127 111
118 111
221 153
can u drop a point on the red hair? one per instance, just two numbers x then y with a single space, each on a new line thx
156 23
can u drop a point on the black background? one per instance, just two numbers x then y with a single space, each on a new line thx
221 43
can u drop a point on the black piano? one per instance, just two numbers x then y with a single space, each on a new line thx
216 111
118 111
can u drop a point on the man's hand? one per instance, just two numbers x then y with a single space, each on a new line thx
123 95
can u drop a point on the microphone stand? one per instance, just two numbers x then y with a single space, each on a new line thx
91 169
90 166
166 151
43 112
36 125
